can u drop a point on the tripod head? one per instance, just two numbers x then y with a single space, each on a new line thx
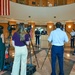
10 28
28 29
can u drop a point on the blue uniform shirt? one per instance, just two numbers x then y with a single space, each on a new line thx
58 37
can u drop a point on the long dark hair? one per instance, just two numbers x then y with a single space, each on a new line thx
21 31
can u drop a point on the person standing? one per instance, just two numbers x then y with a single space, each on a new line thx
19 41
72 38
57 38
37 36
2 49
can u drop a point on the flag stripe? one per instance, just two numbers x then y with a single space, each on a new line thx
8 9
0 7
4 7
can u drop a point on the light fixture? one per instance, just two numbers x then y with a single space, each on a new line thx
50 27
32 26
68 55
69 26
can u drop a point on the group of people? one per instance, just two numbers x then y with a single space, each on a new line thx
19 41
57 38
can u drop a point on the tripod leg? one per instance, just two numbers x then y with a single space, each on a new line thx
34 53
30 57
45 59
36 57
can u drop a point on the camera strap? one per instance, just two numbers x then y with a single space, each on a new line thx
24 42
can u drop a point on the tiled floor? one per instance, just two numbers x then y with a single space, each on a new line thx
45 69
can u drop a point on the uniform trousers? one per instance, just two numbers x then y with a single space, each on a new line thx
72 42
37 40
20 61
57 52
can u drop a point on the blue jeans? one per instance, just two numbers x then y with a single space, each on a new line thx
57 52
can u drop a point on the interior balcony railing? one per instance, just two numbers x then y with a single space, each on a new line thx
44 3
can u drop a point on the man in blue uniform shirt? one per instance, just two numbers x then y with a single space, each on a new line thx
57 38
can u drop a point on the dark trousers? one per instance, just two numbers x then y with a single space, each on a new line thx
2 59
37 41
72 42
2 55
57 52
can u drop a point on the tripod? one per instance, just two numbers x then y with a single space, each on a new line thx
46 57
33 51
7 61
8 39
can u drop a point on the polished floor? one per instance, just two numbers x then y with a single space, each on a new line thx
44 62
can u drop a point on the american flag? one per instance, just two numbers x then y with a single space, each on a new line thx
4 7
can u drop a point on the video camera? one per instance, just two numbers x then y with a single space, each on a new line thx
11 27
1 27
28 28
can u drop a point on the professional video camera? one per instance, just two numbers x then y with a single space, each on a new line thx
28 28
1 27
11 27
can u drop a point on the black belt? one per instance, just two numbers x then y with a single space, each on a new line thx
57 46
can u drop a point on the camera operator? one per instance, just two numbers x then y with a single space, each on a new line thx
2 49
19 41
